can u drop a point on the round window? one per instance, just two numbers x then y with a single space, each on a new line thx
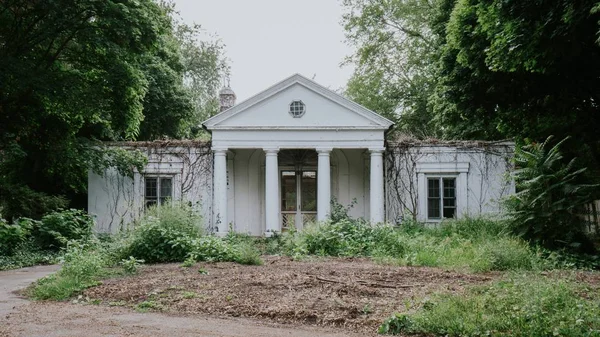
297 109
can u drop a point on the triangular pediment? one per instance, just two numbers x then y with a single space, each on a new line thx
322 109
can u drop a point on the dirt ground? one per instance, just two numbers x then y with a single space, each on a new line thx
22 318
328 298
349 295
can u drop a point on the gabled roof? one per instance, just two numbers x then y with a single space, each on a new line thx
380 121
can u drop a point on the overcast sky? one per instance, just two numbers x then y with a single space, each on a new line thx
269 40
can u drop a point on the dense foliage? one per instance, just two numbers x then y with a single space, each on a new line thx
57 228
394 60
73 73
26 242
164 234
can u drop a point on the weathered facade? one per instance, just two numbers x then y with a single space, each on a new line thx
277 160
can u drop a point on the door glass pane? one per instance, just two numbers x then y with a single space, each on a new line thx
288 191
309 191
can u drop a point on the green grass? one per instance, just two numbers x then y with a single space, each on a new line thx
526 304
148 305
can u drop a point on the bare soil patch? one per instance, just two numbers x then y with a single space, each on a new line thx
354 294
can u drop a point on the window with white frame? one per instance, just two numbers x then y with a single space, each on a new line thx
297 109
441 198
158 190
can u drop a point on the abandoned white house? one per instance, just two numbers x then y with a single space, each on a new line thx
279 158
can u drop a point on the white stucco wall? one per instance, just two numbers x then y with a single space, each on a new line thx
116 201
481 172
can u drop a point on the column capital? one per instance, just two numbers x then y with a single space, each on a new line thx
376 150
271 150
219 150
324 150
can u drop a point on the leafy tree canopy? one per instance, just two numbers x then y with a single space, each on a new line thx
394 59
74 73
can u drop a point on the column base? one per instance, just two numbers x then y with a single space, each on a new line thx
269 234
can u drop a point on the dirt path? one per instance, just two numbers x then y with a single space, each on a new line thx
18 317
12 280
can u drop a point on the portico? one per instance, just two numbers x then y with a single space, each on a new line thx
265 147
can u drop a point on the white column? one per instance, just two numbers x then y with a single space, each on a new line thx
376 196
271 192
220 191
323 184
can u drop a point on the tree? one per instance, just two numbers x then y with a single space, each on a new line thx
71 73
394 59
205 67
522 69
184 79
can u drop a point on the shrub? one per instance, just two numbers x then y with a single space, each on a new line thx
522 305
212 249
550 199
164 234
57 228
11 235
154 242
180 217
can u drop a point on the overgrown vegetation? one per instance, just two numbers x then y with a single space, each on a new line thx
170 233
478 245
474 244
27 254
82 265
527 304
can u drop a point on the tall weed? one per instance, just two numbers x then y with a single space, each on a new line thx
82 264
